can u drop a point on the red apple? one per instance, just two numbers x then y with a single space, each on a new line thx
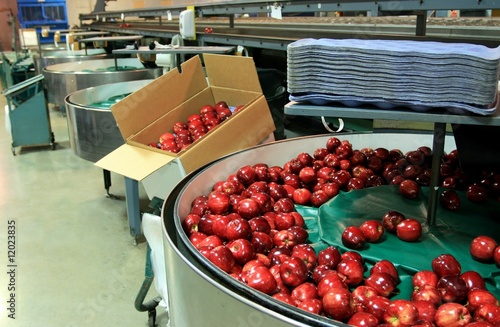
218 203
341 177
305 291
332 143
238 228
211 241
353 238
401 313
261 279
284 297
409 189
246 175
284 205
293 271
423 278
452 288
473 280
338 304
478 297
391 219
476 193
351 271
427 293
329 256
382 283
449 200
372 230
301 196
298 218
190 223
222 257
344 151
281 287
352 255
264 201
331 279
259 224
318 198
219 226
179 126
330 189
242 250
261 242
285 238
311 305
409 230
377 306
278 254
284 220
307 175
361 295
482 248
358 158
446 264
306 253
488 312
248 208
319 272
452 315
300 233
363 319
196 238
480 324
385 266
355 184
426 310
496 256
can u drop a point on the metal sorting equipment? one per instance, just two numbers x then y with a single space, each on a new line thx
92 128
49 57
196 286
93 132
67 78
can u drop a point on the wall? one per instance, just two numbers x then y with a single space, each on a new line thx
76 7
5 27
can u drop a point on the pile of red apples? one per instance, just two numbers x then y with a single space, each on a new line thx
248 227
197 125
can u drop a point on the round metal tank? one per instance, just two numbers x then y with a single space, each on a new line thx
196 286
66 78
93 132
54 56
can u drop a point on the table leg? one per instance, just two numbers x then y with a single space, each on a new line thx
133 208
437 153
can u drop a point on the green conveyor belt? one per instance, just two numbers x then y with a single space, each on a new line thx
452 233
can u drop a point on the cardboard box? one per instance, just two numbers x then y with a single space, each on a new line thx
152 110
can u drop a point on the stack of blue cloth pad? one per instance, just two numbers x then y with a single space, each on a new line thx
456 77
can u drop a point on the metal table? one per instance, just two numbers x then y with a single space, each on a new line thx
110 39
439 119
177 51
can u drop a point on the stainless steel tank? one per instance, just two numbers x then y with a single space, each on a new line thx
54 56
66 78
93 132
201 294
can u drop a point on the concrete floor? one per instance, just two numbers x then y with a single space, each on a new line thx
76 262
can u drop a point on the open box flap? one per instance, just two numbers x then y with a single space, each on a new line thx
242 75
163 94
134 162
